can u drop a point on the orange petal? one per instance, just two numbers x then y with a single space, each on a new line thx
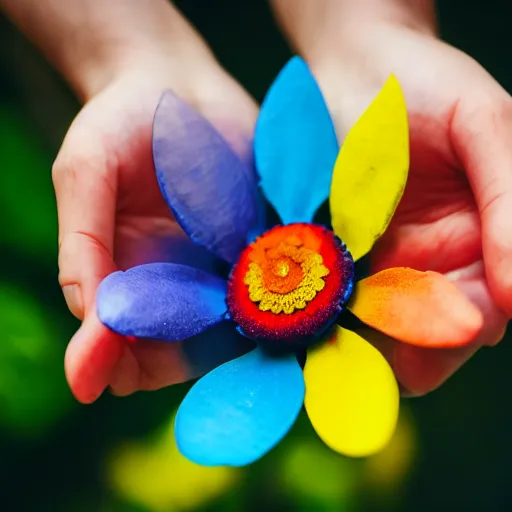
419 308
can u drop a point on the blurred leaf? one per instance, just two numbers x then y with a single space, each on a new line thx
27 201
33 391
318 478
155 475
321 480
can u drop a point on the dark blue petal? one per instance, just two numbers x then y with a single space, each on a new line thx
295 144
163 301
204 183
241 410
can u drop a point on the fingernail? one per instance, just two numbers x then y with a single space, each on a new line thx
73 295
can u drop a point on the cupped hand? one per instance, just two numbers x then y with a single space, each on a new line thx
112 214
456 213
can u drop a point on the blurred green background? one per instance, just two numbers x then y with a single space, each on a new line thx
452 450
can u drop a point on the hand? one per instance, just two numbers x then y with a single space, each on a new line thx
112 214
456 213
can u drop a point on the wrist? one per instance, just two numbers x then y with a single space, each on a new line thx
92 42
418 15
162 44
316 29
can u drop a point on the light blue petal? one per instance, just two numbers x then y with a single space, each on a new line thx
241 410
295 144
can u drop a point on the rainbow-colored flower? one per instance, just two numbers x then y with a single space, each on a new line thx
289 285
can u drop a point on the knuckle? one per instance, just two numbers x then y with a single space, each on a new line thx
57 170
489 112
67 271
73 247
71 167
494 198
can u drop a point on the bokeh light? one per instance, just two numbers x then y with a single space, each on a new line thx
152 473
33 394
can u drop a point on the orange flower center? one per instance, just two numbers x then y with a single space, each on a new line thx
284 274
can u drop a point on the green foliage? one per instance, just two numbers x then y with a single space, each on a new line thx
27 204
33 392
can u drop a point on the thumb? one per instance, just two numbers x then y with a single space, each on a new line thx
86 197
85 189
482 138
85 186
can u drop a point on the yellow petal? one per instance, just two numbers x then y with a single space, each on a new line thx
352 396
371 171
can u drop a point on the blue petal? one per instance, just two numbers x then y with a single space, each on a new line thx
241 410
163 301
295 144
205 184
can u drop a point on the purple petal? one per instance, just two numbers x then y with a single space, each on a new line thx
163 301
204 183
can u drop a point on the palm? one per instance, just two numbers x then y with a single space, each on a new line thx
437 225
143 220
119 122
145 232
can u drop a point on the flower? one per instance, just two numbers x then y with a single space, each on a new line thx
288 285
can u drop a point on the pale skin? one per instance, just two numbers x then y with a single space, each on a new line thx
455 217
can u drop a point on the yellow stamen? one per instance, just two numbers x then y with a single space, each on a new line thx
300 274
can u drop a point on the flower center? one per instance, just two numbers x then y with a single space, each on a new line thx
285 278
290 284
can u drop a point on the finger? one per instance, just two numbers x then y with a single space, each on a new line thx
91 357
423 370
147 365
482 135
472 281
125 379
85 185
419 370
150 365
